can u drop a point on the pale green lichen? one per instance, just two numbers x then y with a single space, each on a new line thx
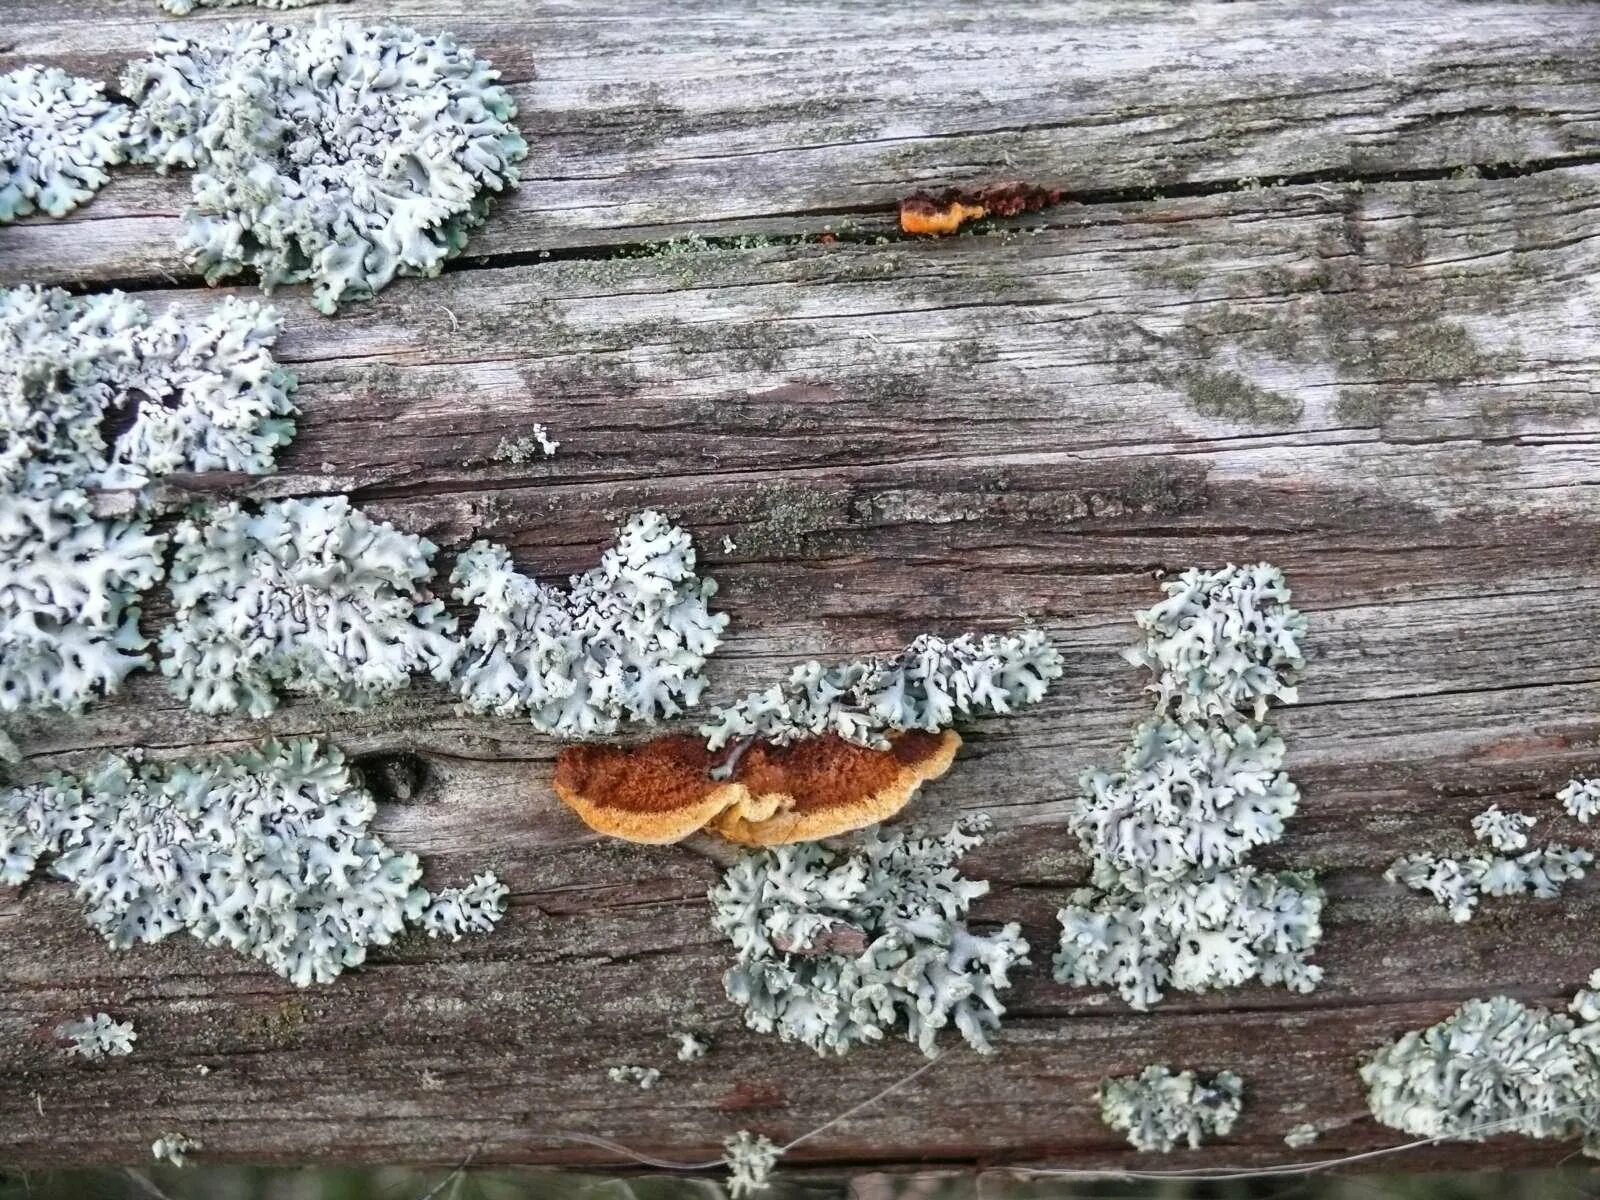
304 596
836 948
643 1078
1171 903
69 590
690 1047
927 686
627 641
1585 1004
328 152
270 852
1158 1109
58 134
1223 643
1299 1137
1505 831
1187 797
750 1159
182 8
455 912
97 393
98 1036
1581 798
1494 1066
525 449
175 1148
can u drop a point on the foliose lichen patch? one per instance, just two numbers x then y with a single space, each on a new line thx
925 687
1159 1109
332 153
838 947
269 852
304 596
97 393
58 134
627 641
1171 901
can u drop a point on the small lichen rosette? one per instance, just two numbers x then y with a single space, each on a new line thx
69 612
333 153
307 596
58 134
1196 933
1459 884
926 687
269 852
1159 1109
1581 798
1223 643
1187 796
94 393
835 949
98 1036
1494 1066
455 912
626 641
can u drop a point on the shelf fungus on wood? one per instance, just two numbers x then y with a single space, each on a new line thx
939 214
758 794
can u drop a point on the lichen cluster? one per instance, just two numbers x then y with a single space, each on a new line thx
98 1036
456 912
270 852
643 1078
69 612
1459 883
305 596
1159 1109
835 948
182 392
625 641
1188 797
1504 831
925 687
175 1148
96 394
750 1159
1494 1066
1172 902
1222 643
1581 798
58 134
332 152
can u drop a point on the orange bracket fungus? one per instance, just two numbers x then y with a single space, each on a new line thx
770 795
939 214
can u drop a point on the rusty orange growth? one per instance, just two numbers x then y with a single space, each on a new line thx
819 787
939 214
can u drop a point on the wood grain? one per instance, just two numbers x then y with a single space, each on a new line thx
1379 374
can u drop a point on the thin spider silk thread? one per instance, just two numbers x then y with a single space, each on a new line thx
1196 1174
1227 1174
667 1165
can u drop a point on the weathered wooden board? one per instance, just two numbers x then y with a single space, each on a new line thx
1380 375
648 119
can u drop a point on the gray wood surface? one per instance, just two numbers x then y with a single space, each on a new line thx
1323 293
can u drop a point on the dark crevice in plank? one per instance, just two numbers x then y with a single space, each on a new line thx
889 231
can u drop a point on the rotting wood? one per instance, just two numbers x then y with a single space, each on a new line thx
1387 387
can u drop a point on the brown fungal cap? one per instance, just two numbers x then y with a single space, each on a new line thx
659 792
663 790
822 787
